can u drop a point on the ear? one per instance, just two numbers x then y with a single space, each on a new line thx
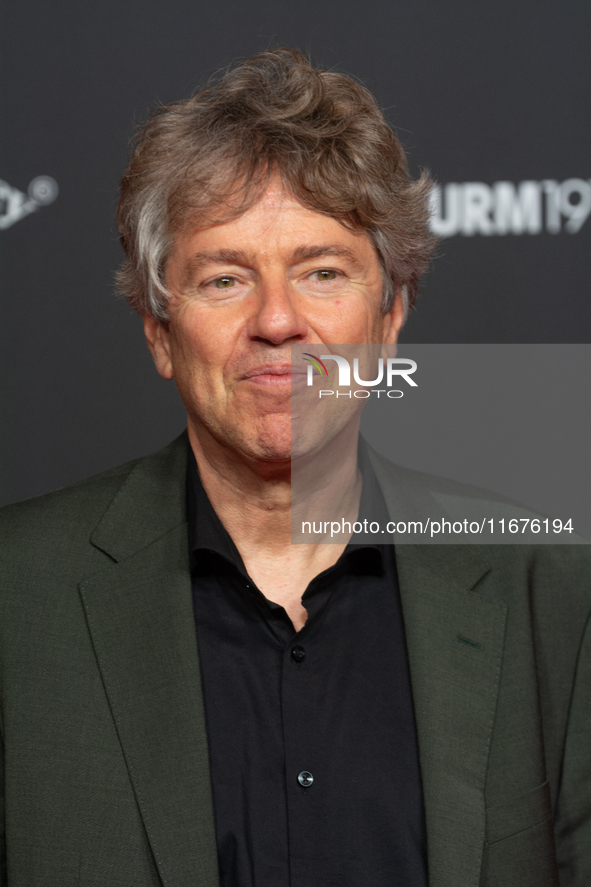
394 320
158 339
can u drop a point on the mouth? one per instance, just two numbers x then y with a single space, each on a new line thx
276 375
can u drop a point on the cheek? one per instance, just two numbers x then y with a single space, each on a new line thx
347 322
202 344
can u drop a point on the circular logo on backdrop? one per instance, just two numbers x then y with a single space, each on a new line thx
15 204
43 190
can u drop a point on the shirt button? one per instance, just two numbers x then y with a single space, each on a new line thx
298 654
305 779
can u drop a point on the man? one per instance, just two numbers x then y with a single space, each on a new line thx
190 699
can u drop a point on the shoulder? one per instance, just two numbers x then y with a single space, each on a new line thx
551 576
416 495
443 490
56 520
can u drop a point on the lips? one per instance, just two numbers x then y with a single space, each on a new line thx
276 379
275 373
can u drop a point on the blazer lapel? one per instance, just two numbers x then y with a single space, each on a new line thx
140 618
455 637
455 643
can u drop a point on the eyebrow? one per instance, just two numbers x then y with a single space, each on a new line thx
304 253
220 257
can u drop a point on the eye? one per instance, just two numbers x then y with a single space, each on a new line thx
326 274
224 283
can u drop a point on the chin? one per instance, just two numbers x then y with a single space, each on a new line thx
269 441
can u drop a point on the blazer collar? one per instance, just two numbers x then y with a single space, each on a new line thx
149 504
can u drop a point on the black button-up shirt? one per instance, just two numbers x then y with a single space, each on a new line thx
312 737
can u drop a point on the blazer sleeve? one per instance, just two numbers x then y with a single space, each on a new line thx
573 815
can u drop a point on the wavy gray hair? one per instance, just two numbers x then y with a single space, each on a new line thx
209 158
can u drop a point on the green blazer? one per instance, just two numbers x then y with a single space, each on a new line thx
105 761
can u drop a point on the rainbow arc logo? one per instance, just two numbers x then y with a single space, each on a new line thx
310 358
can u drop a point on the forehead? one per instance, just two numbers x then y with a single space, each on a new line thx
277 224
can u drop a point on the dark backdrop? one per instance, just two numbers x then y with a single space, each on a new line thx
480 93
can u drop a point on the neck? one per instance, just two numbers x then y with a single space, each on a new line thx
256 500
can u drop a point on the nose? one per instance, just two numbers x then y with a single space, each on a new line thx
277 317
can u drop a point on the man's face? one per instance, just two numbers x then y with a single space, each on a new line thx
245 291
